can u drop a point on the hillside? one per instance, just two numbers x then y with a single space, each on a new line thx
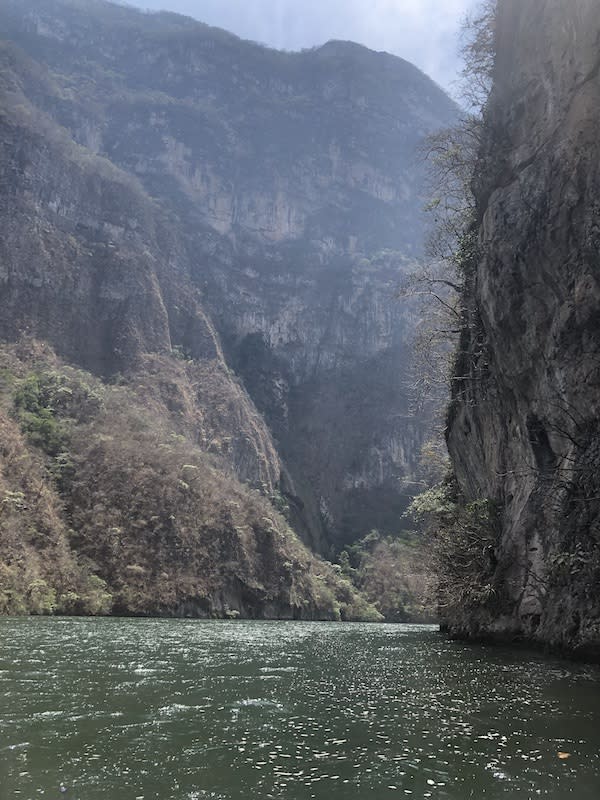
221 229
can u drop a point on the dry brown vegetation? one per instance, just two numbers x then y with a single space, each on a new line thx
105 506
461 538
393 574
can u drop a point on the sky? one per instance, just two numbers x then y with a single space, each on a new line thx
425 32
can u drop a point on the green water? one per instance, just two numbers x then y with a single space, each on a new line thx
132 709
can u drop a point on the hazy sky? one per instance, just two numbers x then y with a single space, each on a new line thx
422 31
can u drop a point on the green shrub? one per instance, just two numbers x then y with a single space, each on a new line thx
36 416
463 539
93 598
96 598
391 574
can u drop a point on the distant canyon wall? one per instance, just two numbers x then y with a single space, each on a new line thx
250 210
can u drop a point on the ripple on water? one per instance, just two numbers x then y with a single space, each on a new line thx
176 710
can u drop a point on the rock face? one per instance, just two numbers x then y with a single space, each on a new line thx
169 188
523 428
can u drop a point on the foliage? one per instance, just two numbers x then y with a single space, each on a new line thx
452 157
390 572
462 534
179 351
44 403
279 503
462 538
105 508
343 602
444 281
94 598
36 416
478 55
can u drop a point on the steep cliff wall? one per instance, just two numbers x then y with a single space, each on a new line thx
280 206
523 428
122 486
89 264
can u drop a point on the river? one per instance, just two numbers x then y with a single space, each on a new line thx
186 710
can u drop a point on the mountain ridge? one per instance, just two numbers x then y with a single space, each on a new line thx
173 205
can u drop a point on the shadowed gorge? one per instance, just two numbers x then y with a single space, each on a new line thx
221 229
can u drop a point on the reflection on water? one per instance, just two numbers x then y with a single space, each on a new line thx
173 709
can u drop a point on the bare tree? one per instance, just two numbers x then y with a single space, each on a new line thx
451 156
478 54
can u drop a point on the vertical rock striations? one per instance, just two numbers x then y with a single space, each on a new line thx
524 425
237 206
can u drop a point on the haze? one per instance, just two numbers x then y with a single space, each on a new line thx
425 32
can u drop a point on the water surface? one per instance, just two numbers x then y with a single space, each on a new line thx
187 710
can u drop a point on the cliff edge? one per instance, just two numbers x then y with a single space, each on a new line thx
524 424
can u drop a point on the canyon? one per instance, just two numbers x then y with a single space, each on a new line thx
221 230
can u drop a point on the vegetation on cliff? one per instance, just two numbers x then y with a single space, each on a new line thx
515 528
461 532
107 508
462 538
182 172
390 571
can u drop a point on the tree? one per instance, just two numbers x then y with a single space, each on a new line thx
478 55
462 534
441 280
463 539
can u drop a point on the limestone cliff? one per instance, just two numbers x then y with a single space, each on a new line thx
523 428
130 487
244 209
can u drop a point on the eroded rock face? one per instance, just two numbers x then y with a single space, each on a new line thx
274 205
98 274
524 426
